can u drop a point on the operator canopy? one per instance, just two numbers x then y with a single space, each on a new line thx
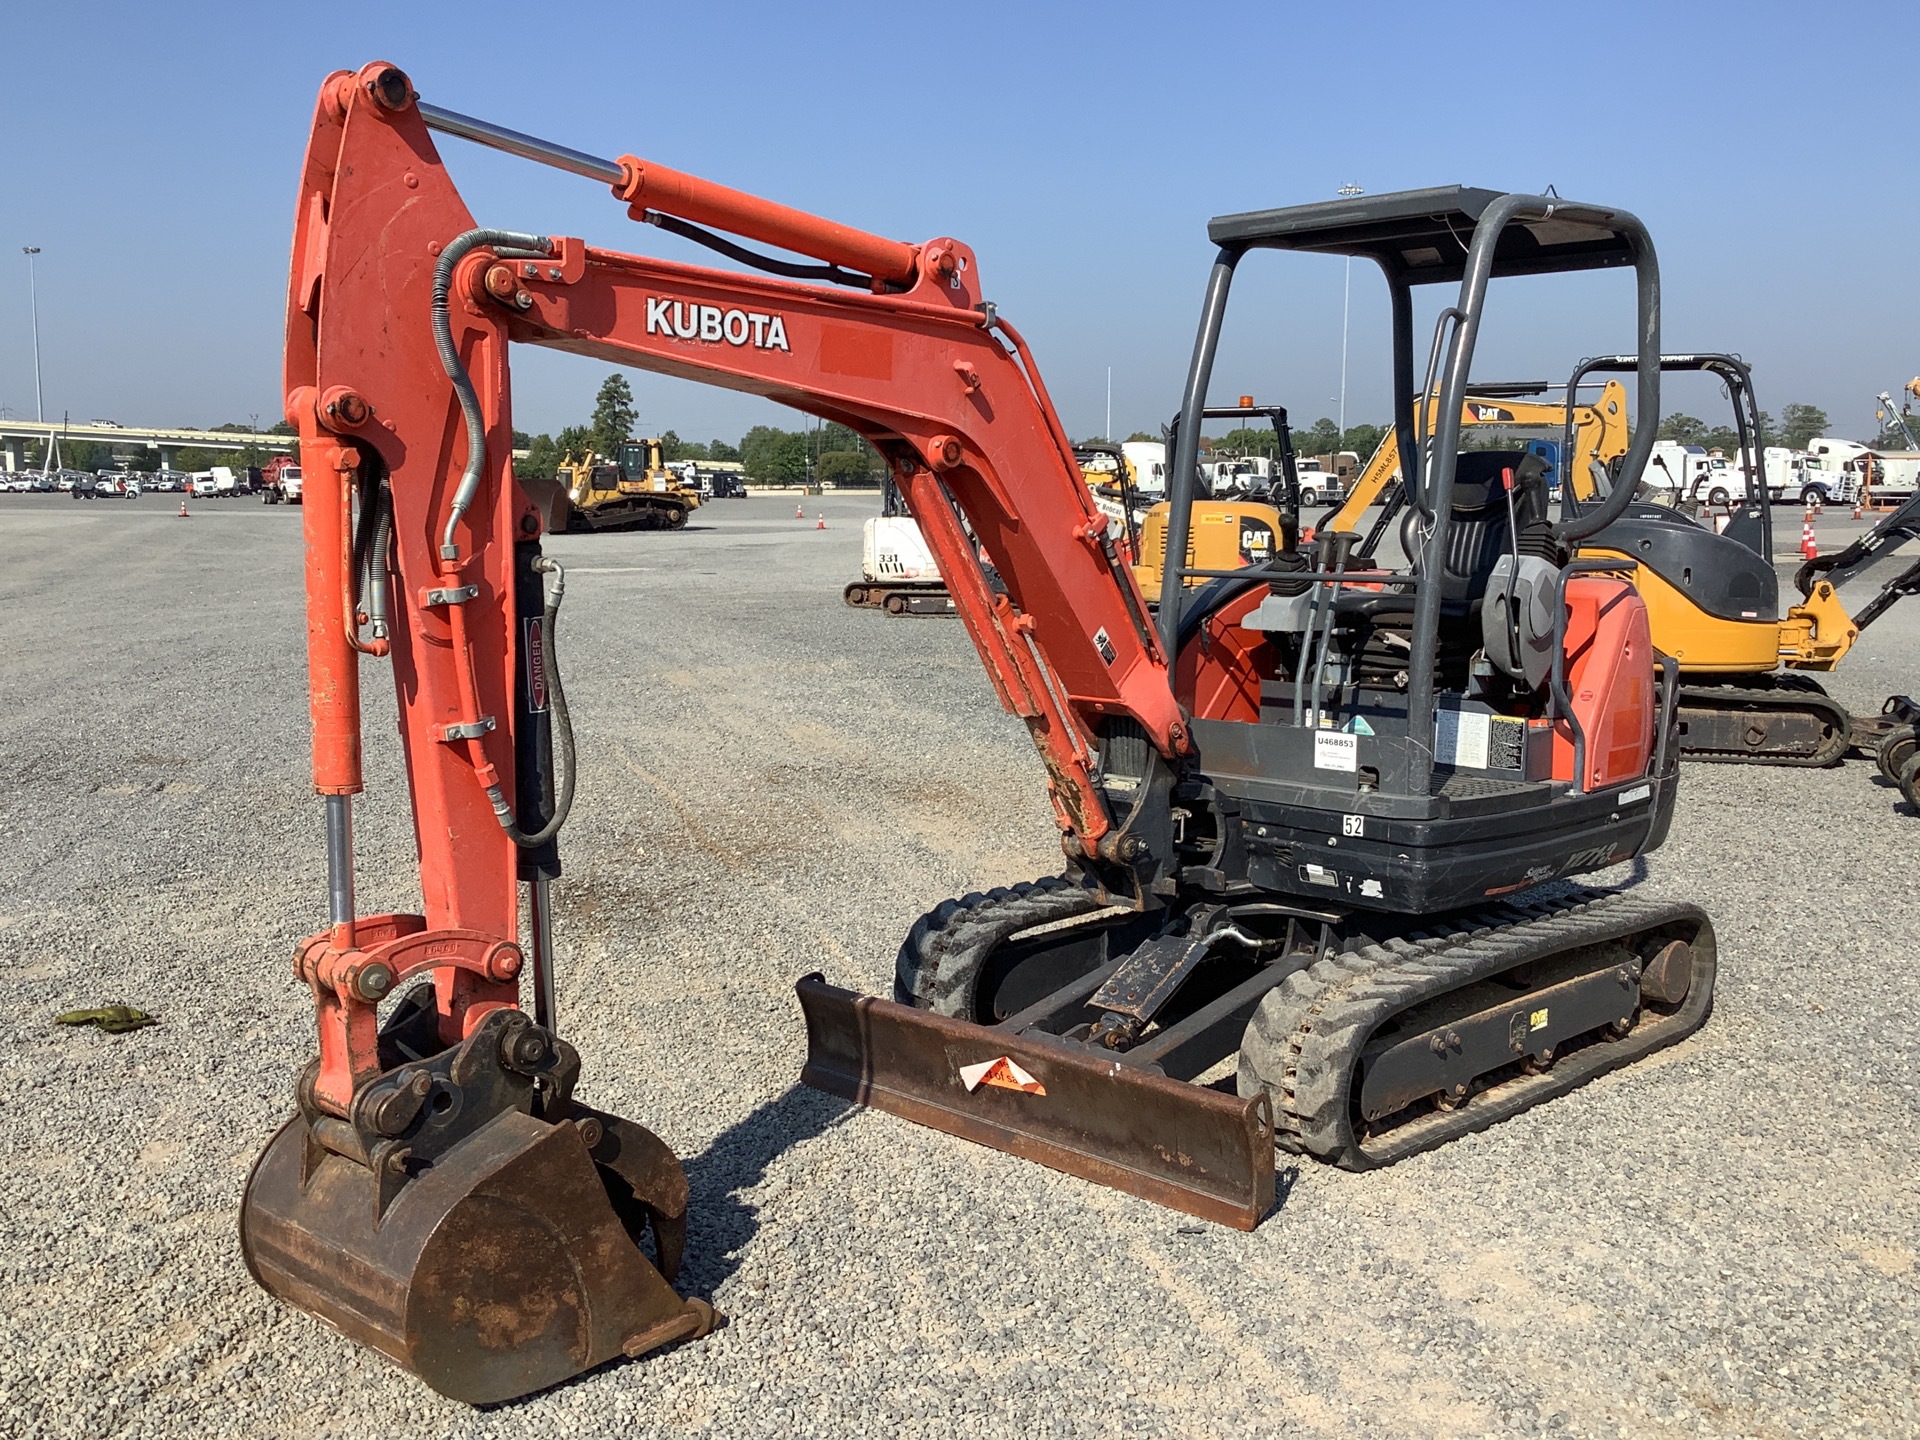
1421 236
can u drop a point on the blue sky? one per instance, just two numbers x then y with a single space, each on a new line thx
152 151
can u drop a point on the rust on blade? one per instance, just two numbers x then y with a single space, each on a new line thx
1183 1146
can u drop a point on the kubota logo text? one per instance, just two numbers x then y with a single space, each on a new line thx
712 324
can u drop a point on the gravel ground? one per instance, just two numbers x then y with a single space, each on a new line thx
1719 1241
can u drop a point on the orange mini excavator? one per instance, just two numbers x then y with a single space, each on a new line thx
1307 808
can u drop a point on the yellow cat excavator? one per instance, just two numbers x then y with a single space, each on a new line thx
1598 436
1747 692
1227 533
1712 595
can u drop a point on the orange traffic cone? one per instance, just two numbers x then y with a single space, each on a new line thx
1809 547
1857 505
799 512
183 507
822 525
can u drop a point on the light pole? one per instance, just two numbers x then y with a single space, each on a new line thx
1346 192
33 299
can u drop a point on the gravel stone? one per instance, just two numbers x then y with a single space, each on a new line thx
1719 1241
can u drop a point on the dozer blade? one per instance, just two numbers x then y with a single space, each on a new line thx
1179 1145
500 1269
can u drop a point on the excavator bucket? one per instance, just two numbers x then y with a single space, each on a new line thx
1181 1145
512 1259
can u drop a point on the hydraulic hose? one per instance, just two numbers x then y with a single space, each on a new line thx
372 545
506 242
563 726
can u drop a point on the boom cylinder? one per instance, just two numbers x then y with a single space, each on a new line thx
647 186
333 667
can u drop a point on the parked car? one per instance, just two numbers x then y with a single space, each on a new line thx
80 487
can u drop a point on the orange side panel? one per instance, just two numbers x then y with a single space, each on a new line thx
1610 674
1218 675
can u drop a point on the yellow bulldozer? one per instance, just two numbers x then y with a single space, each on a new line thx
634 490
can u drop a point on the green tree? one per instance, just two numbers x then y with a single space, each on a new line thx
543 458
1322 439
613 415
1800 423
847 468
673 448
1682 429
1141 435
1363 440
1250 440
575 443
774 456
720 450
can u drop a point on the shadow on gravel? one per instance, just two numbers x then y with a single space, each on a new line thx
720 1222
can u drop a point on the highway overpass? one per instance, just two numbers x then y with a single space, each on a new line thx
14 435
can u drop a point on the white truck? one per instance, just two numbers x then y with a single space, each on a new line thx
1837 468
1786 475
1236 475
1149 459
1688 473
1318 485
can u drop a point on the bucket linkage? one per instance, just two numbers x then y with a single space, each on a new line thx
469 1219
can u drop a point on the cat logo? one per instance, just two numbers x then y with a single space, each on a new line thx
1256 540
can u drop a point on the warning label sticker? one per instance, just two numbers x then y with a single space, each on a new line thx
1002 1073
1460 737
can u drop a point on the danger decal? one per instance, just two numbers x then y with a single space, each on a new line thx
1002 1074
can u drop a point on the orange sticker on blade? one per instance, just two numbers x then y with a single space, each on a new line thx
1001 1072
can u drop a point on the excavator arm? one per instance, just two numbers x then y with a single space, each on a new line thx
916 361
423 550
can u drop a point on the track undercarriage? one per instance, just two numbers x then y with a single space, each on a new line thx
1784 719
900 597
632 512
1170 1059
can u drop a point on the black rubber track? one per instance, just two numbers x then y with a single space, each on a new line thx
943 955
1304 1043
1896 747
1718 699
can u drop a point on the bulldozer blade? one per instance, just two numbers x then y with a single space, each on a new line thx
1041 1098
499 1270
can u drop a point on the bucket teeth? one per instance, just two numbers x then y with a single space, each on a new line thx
491 1250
